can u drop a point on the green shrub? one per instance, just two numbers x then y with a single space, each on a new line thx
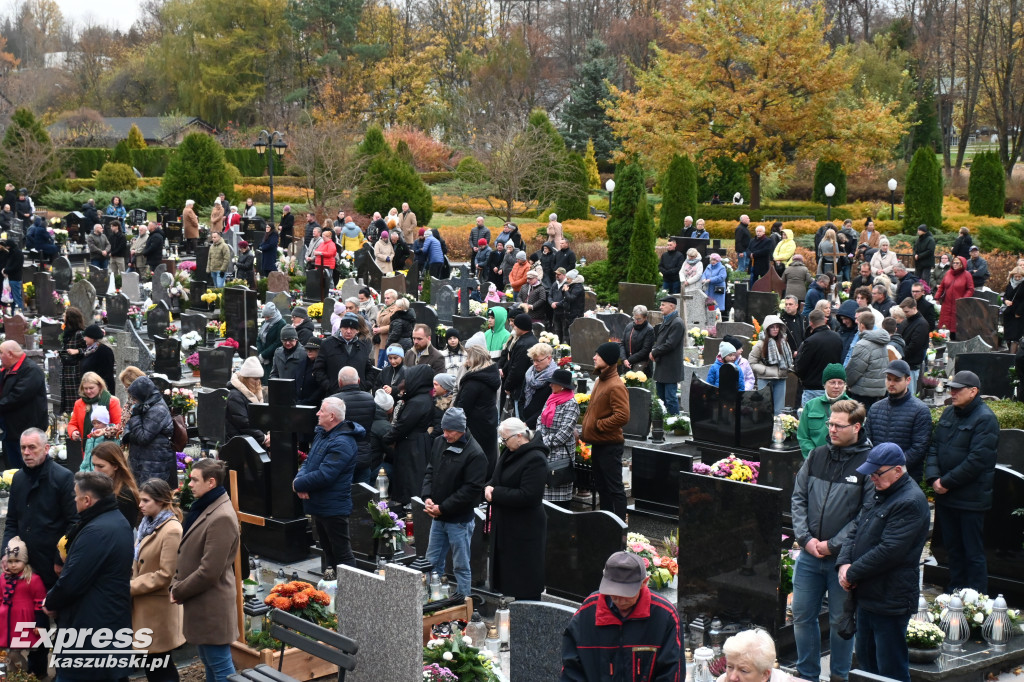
571 203
146 198
678 195
1009 238
722 175
197 170
135 139
389 181
923 198
597 275
986 190
1010 413
115 177
437 177
79 184
85 161
152 161
122 154
629 190
61 200
249 162
234 175
643 260
824 173
469 171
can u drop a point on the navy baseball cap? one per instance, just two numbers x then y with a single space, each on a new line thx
882 455
898 368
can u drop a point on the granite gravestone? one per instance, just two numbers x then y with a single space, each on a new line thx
241 317
435 287
535 653
53 370
586 334
83 296
50 333
193 322
1010 451
616 323
760 304
318 285
656 481
412 281
977 317
14 329
162 280
364 545
46 304
130 286
117 310
215 366
396 282
278 281
143 355
372 275
427 315
283 302
447 305
211 413
779 467
589 300
329 304
479 544
770 282
467 326
992 368
158 319
100 279
578 544
167 352
200 274
464 285
387 611
740 301
735 328
350 289
727 416
639 424
631 294
62 272
993 297
955 349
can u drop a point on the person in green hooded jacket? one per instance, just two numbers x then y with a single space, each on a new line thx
496 334
813 428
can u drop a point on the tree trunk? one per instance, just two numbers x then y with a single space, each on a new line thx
755 189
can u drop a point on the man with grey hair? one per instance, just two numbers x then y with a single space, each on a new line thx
554 229
687 229
99 247
324 483
816 292
880 300
907 279
359 409
452 485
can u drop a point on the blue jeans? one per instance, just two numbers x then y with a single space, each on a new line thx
218 278
778 392
217 660
16 294
742 262
382 358
101 263
671 287
812 577
668 392
811 394
882 645
457 537
962 536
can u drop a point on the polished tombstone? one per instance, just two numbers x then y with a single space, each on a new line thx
535 653
770 282
467 326
639 425
479 548
53 370
158 319
211 413
63 275
50 333
318 285
435 287
993 297
130 286
46 304
447 305
412 281
277 281
728 417
735 574
954 349
735 328
762 304
586 334
162 280
427 315
329 304
993 369
396 282
167 352
616 323
371 274
241 317
656 481
193 322
779 467
117 310
100 279
384 615
283 302
1010 451
83 296
463 285
740 301
977 317
578 544
631 294
364 545
589 300
14 329
1001 538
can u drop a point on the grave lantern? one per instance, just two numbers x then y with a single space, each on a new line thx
922 610
955 626
382 484
255 615
778 432
997 628
702 658
717 637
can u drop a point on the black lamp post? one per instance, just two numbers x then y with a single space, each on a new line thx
263 143
892 198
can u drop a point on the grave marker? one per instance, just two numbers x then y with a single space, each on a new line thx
535 653
977 317
954 349
50 333
318 284
241 316
193 322
14 329
467 326
639 424
631 294
586 334
158 319
215 366
83 296
117 310
446 303
578 544
130 286
278 281
396 282
993 369
100 279
770 282
727 416
46 304
63 275
656 481
617 322
167 352
211 412
162 280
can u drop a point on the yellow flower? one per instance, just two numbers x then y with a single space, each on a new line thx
62 548
9 476
581 398
640 376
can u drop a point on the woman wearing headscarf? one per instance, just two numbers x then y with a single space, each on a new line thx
244 389
493 267
547 262
957 283
714 280
268 339
939 271
72 343
384 253
557 428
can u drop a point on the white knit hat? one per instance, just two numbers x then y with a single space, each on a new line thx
251 368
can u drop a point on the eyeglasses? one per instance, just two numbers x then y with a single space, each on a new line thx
882 472
838 427
506 439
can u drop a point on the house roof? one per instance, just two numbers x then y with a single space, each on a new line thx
153 128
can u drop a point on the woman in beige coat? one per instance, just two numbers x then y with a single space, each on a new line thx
156 559
383 325
384 253
217 216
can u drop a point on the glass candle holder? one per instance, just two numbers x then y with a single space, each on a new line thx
997 628
955 626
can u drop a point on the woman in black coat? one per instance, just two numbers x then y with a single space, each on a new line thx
478 396
268 261
409 434
97 357
72 344
148 437
402 322
962 245
244 389
1013 314
637 342
518 520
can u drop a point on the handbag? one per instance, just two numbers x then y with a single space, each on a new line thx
179 436
719 290
560 472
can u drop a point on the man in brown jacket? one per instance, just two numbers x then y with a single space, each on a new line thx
204 581
407 222
190 225
217 216
606 414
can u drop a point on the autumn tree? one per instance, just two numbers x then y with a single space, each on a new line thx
323 153
593 175
27 155
755 82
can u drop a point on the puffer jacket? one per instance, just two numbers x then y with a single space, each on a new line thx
963 455
150 452
454 479
865 373
885 550
905 421
400 331
327 472
829 493
847 309
409 434
359 409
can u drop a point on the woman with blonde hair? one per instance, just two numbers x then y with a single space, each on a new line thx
94 393
828 253
692 271
126 377
108 459
750 657
244 389
383 326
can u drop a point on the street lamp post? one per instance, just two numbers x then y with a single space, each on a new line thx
263 143
610 186
892 198
830 191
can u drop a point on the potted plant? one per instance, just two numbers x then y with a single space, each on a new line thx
924 640
193 363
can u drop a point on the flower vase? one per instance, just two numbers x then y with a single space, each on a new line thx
924 655
658 430
195 372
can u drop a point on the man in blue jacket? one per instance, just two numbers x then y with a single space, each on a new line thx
623 628
902 418
324 482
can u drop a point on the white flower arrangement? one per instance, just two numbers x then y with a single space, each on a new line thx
924 635
190 340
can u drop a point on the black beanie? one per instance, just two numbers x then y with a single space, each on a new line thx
609 352
523 322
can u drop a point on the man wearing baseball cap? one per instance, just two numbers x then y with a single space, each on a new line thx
879 562
901 418
960 468
623 631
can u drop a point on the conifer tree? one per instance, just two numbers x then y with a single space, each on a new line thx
923 198
643 261
629 189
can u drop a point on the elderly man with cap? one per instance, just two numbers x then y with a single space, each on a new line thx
623 628
977 267
879 562
902 418
514 359
960 468
288 358
452 486
345 349
813 427
268 339
667 354
303 325
606 414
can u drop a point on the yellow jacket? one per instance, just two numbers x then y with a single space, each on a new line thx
785 249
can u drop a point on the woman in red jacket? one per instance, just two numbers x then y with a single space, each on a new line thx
957 283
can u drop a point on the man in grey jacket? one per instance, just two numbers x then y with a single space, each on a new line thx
827 496
865 371
99 247
667 354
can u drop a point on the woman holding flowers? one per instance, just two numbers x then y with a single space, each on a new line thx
772 360
557 428
93 392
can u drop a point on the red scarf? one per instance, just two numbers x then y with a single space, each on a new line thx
547 415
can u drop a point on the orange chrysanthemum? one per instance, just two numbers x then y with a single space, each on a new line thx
301 600
282 603
322 597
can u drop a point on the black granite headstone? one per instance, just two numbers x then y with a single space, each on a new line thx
761 304
241 316
211 412
193 322
62 273
447 304
318 285
435 287
364 545
426 315
740 302
616 323
1010 451
639 425
202 263
578 544
467 326
46 305
656 480
215 366
158 319
50 333
779 467
992 368
100 280
168 356
727 416
977 317
117 310
585 335
252 464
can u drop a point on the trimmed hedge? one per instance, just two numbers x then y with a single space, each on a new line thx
824 173
730 212
152 161
250 163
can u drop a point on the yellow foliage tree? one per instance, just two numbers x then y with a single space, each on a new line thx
593 176
757 82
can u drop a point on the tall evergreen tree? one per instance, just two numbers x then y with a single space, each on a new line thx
593 175
583 117
122 153
986 190
572 203
197 170
27 154
923 198
678 195
135 138
826 171
629 190
643 261
389 181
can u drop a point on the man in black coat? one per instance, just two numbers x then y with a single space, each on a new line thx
914 331
154 251
89 211
669 264
575 300
514 360
742 242
94 588
556 302
960 468
667 354
879 562
409 435
345 349
118 249
822 347
907 280
452 487
760 250
794 322
924 306
311 223
565 257
359 409
401 250
22 399
924 253
308 390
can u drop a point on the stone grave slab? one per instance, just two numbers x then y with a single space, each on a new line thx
735 328
215 367
447 305
727 416
130 286
117 310
142 354
277 281
167 353
241 316
535 653
977 317
50 335
100 279
770 282
83 296
467 326
993 297
158 319
992 368
318 285
46 305
162 281
62 273
1010 451
412 281
631 294
464 285
435 287
586 334
329 304
350 289
737 580
282 301
954 349
195 296
384 614
616 323
578 544
426 315
740 300
700 372
193 322
761 304
211 411
14 329
779 467
656 481
202 257
589 300
639 425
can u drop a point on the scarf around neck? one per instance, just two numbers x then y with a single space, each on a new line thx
547 415
148 526
200 505
102 398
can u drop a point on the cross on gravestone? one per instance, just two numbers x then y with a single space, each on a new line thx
130 286
100 279
46 304
318 285
240 317
215 367
464 285
286 422
278 281
585 335
62 273
14 328
167 352
446 303
977 317
83 296
158 319
117 310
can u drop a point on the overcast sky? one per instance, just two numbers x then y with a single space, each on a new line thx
118 13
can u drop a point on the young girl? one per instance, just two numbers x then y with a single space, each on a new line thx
454 353
21 594
100 422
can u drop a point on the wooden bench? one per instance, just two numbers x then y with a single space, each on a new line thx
308 637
